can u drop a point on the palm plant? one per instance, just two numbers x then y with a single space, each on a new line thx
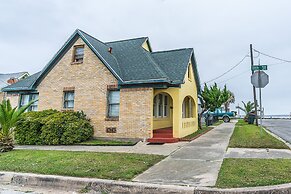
8 118
227 98
248 107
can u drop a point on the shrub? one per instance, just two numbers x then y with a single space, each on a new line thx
52 127
28 128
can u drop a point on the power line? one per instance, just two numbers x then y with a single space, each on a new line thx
238 75
227 70
287 61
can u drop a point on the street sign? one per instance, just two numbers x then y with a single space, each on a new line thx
259 79
259 67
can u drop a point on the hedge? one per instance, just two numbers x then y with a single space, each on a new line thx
51 127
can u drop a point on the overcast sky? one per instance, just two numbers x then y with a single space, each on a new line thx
220 32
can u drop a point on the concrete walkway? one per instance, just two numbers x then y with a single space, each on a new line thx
258 153
196 163
139 148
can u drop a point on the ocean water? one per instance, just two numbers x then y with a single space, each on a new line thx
272 116
277 116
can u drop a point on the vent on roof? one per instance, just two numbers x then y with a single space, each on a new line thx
12 80
110 49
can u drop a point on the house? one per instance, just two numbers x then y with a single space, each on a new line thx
10 78
125 88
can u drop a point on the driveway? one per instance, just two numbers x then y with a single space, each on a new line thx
196 163
280 127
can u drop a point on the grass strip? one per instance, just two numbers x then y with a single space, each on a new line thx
253 172
250 136
117 166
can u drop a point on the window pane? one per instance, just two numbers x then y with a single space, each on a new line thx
69 96
79 51
155 107
33 108
24 99
69 99
184 110
114 97
113 103
70 104
114 110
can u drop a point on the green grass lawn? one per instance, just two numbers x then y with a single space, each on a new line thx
253 172
117 166
101 142
250 136
203 130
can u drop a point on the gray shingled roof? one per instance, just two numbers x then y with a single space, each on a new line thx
174 63
129 62
5 77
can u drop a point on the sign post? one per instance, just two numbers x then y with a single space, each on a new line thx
259 80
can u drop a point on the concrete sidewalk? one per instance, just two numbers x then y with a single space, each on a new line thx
258 153
139 148
195 164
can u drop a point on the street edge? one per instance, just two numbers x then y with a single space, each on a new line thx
114 186
277 137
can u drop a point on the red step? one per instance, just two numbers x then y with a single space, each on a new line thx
164 135
163 140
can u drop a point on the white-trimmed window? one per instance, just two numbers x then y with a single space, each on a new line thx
78 54
26 98
113 103
69 99
161 106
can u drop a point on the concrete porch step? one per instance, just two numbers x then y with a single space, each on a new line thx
163 140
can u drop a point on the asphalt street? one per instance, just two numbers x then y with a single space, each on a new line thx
280 127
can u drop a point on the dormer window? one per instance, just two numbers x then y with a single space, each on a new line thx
78 54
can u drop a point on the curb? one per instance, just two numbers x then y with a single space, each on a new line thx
112 186
277 137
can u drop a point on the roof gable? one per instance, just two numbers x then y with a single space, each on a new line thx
128 61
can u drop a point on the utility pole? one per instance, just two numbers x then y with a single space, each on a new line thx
254 89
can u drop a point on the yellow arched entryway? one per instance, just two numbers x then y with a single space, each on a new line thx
162 111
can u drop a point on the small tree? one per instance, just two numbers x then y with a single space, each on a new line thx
248 107
213 97
8 118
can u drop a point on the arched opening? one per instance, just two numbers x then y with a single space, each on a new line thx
188 107
162 106
162 118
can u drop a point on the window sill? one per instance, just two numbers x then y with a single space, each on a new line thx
67 110
76 63
161 118
112 119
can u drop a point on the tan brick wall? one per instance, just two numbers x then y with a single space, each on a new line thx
1 96
90 80
14 99
136 111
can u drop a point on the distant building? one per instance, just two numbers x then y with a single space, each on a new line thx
8 79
